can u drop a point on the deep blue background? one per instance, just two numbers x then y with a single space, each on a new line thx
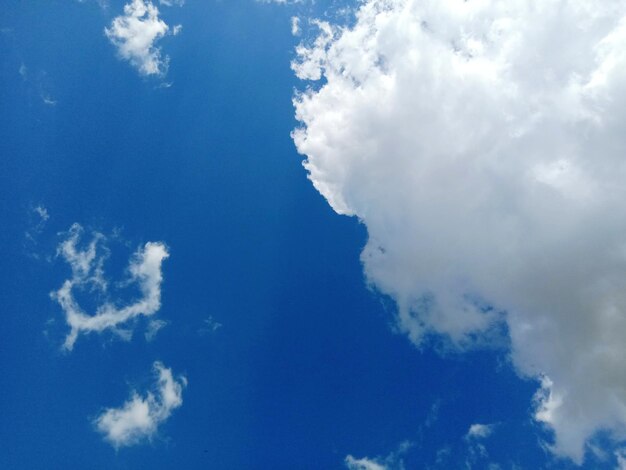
306 368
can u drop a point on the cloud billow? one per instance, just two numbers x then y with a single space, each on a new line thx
482 145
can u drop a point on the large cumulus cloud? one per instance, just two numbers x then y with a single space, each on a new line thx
483 144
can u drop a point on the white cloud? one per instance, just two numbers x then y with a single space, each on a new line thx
479 431
477 454
139 418
135 33
364 464
42 212
482 145
393 461
295 26
171 3
87 274
154 326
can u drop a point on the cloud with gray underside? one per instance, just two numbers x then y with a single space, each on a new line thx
482 143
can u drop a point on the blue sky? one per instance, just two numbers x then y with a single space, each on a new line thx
285 334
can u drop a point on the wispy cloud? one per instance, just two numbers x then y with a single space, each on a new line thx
209 325
87 263
42 216
39 82
153 328
393 461
138 419
37 219
295 26
135 34
103 4
364 464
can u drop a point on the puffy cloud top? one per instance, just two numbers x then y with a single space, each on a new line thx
482 143
134 34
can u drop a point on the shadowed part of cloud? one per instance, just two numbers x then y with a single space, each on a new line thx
482 144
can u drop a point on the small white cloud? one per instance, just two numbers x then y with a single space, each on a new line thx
23 71
103 4
135 33
171 3
295 25
43 212
364 464
153 328
479 431
138 419
393 461
87 273
48 100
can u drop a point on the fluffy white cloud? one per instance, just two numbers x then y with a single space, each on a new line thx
482 144
139 418
479 431
87 275
135 33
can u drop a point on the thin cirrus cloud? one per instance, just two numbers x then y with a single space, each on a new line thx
135 34
87 264
154 326
469 453
138 419
482 145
